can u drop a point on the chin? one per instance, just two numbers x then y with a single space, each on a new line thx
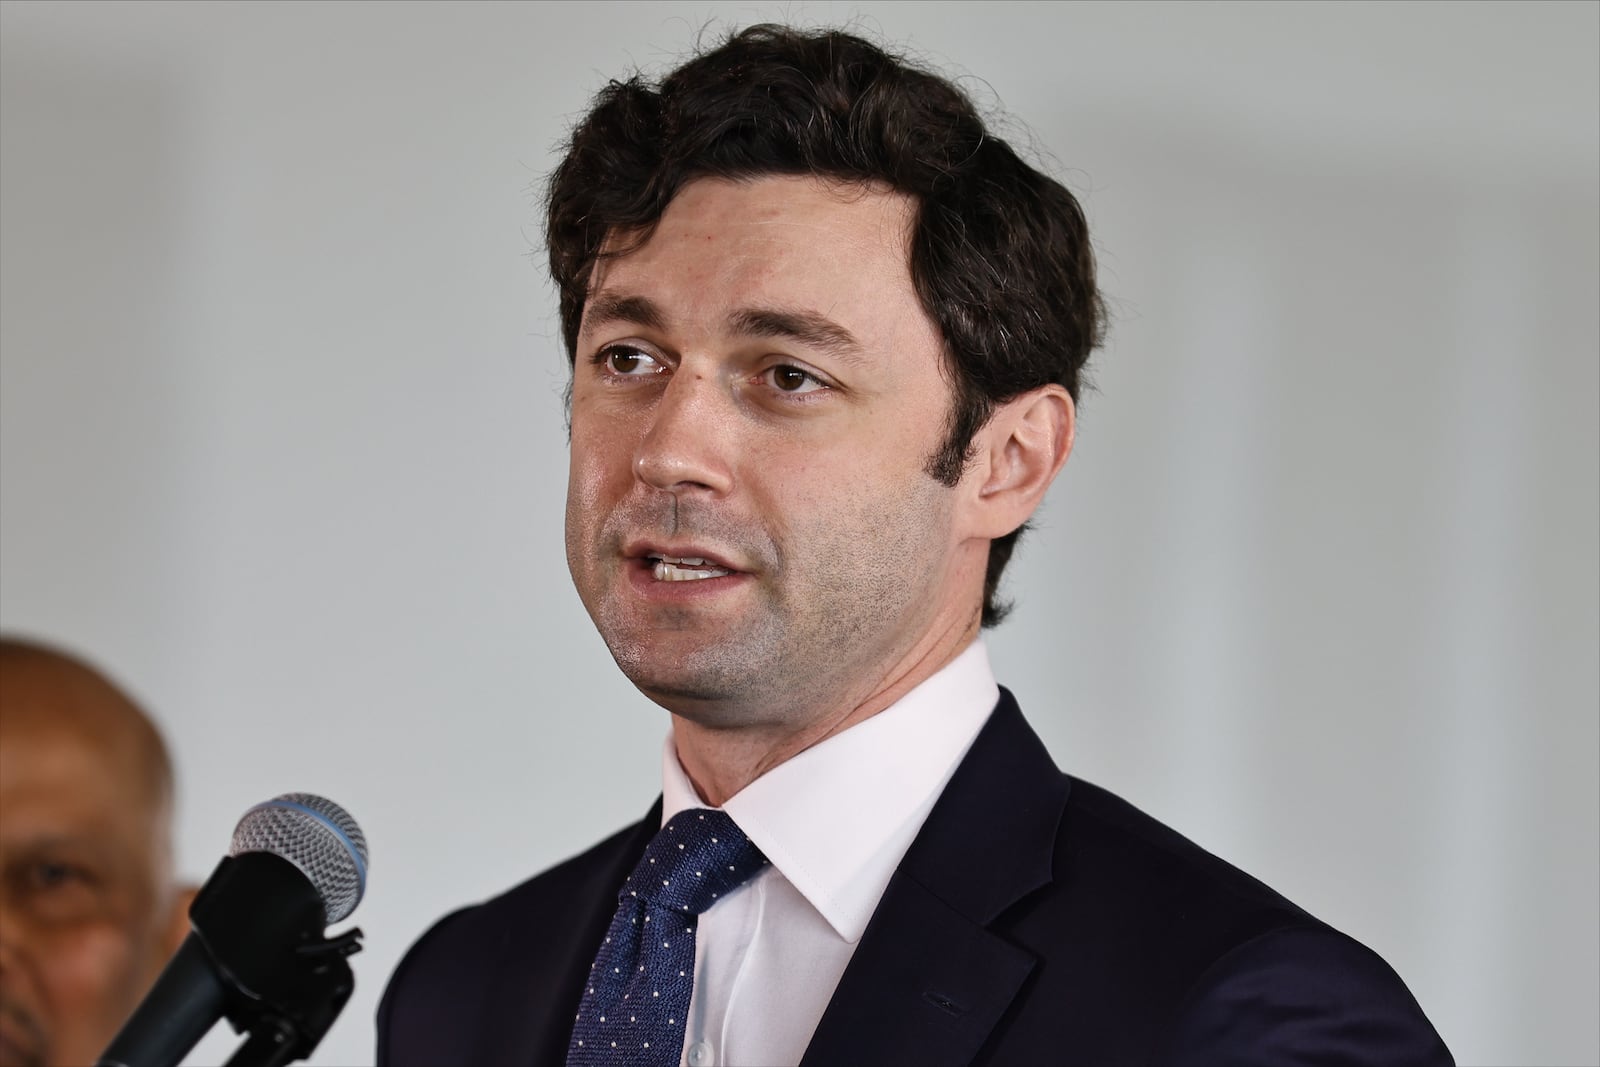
696 695
676 690
666 661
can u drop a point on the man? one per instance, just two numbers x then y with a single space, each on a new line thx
826 336
89 913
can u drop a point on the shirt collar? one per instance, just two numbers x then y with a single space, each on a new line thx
836 819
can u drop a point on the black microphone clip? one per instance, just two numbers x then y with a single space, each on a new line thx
282 980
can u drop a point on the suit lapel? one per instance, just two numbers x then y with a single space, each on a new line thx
929 980
540 973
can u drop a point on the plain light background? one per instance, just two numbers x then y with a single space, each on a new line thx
281 442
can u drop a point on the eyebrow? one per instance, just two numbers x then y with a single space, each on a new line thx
609 308
807 328
52 841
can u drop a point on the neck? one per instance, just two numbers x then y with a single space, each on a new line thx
720 760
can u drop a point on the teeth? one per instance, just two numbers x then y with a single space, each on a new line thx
689 561
667 570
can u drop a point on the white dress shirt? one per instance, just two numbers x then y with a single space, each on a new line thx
835 821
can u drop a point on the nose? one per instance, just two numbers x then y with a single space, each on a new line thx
687 444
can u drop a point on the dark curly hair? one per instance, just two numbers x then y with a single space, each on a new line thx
1000 254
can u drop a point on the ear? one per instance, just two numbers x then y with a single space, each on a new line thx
178 919
1020 450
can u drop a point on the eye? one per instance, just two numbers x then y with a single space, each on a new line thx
626 361
48 875
790 379
56 891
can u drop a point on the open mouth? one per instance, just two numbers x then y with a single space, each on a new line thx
684 569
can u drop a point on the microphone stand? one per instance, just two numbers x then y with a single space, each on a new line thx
309 997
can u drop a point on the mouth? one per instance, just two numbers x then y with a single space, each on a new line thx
665 568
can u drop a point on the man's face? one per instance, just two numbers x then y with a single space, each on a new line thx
84 908
757 391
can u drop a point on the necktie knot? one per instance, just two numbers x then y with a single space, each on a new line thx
697 858
636 1003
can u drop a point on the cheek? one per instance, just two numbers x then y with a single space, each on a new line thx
598 481
600 455
840 512
587 496
91 977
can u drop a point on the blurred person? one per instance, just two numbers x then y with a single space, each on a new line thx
826 334
89 911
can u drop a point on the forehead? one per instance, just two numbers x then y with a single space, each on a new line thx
59 775
836 248
66 771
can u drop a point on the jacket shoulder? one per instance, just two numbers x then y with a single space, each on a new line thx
445 988
1106 845
1302 995
1147 932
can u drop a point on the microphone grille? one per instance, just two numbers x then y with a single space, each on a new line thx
317 836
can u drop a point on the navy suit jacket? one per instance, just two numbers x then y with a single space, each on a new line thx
1036 919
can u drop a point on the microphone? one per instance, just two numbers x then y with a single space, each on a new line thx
256 952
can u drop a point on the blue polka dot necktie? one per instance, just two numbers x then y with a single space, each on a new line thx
636 1001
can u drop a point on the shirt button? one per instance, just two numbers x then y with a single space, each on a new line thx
700 1055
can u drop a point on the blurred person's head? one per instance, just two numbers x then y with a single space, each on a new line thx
89 912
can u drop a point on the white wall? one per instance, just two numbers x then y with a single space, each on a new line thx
281 443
